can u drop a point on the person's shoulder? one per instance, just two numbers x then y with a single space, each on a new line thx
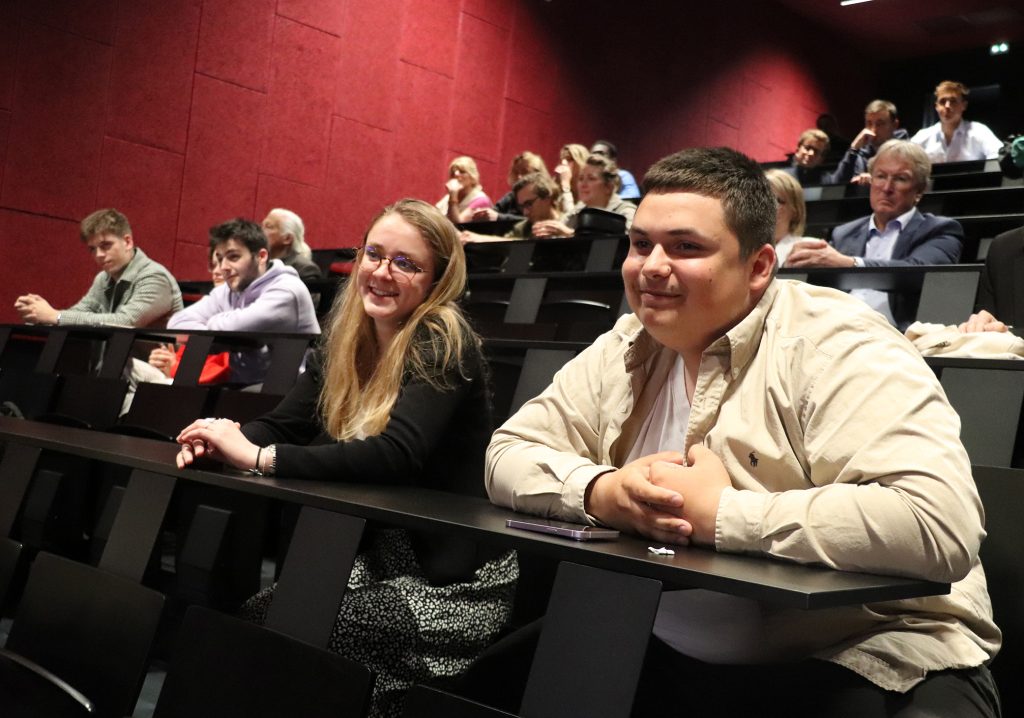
937 223
854 225
923 134
824 322
975 127
280 275
1013 239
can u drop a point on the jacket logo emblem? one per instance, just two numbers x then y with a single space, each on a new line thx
753 459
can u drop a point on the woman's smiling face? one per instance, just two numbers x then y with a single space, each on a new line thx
389 284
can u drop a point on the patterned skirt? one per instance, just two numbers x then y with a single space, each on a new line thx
406 630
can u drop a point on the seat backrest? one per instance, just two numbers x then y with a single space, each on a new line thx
10 556
242 406
162 410
88 402
1002 494
229 668
90 628
585 616
31 392
989 404
426 702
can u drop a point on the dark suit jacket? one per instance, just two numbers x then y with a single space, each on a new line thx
1002 283
927 239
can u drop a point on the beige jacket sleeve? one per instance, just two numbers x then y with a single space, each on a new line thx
542 459
886 484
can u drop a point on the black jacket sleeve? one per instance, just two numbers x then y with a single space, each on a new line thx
398 455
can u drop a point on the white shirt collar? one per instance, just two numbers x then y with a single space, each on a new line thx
903 219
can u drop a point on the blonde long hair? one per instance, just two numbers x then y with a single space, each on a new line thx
360 383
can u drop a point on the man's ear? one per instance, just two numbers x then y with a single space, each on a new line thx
263 256
287 240
762 267
129 241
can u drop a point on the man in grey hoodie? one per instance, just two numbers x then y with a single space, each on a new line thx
258 295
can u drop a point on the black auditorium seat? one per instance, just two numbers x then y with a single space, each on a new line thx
79 644
1002 494
426 702
229 668
86 402
160 411
10 560
226 668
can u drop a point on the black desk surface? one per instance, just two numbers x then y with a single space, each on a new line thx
767 580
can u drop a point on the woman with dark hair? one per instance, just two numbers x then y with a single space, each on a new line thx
396 393
597 186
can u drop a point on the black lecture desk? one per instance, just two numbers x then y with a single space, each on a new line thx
776 582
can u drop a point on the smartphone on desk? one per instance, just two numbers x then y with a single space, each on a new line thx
579 532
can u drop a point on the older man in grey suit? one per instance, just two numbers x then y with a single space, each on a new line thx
895 233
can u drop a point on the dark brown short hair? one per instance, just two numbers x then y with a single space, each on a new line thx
734 179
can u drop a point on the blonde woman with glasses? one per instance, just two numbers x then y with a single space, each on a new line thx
396 394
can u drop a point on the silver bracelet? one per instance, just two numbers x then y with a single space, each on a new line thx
271 470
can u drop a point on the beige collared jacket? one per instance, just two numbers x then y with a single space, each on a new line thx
842 449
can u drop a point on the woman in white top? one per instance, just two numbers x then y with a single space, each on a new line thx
571 159
791 219
465 195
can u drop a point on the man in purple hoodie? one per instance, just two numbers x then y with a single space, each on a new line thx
258 295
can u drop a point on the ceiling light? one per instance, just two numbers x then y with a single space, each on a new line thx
852 2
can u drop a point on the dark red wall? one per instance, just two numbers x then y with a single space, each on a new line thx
183 113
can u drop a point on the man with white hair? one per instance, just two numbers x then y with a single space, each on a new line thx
286 236
894 234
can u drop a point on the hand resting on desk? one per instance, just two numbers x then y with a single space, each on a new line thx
218 439
629 499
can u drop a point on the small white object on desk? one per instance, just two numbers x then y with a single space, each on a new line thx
662 551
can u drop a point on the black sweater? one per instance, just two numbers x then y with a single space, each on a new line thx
434 438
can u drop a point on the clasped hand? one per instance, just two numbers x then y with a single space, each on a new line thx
661 497
218 439
35 310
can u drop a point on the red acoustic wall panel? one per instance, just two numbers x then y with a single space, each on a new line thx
326 15
305 200
145 184
57 118
61 274
479 88
429 35
5 129
368 68
191 261
235 40
359 181
8 53
94 19
526 128
221 165
422 133
500 13
299 104
151 86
